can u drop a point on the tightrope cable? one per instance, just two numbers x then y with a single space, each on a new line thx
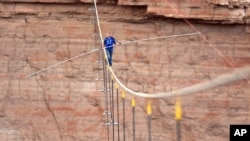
221 80
94 50
240 74
204 38
70 59
161 37
218 81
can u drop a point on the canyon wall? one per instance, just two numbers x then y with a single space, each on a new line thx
218 11
65 103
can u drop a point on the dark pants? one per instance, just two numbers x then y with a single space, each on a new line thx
109 55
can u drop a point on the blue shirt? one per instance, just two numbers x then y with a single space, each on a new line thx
109 42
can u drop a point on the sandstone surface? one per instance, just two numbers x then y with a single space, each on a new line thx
214 11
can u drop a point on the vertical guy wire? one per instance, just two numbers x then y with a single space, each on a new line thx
123 113
105 82
101 60
109 96
133 116
149 112
178 130
106 94
178 117
106 97
113 112
117 103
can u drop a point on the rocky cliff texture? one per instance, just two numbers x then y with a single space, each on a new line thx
215 11
64 103
225 11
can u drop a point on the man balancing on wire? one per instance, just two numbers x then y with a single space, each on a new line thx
109 43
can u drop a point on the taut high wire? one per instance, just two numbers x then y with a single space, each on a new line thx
95 50
240 74
162 37
70 59
220 80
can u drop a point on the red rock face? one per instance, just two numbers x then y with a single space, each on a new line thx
64 103
219 11
225 11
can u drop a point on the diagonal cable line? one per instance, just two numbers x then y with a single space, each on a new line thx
241 74
94 50
238 75
204 37
162 37
70 59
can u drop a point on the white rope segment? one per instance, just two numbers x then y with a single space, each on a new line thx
62 62
100 33
98 21
94 50
240 74
161 37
